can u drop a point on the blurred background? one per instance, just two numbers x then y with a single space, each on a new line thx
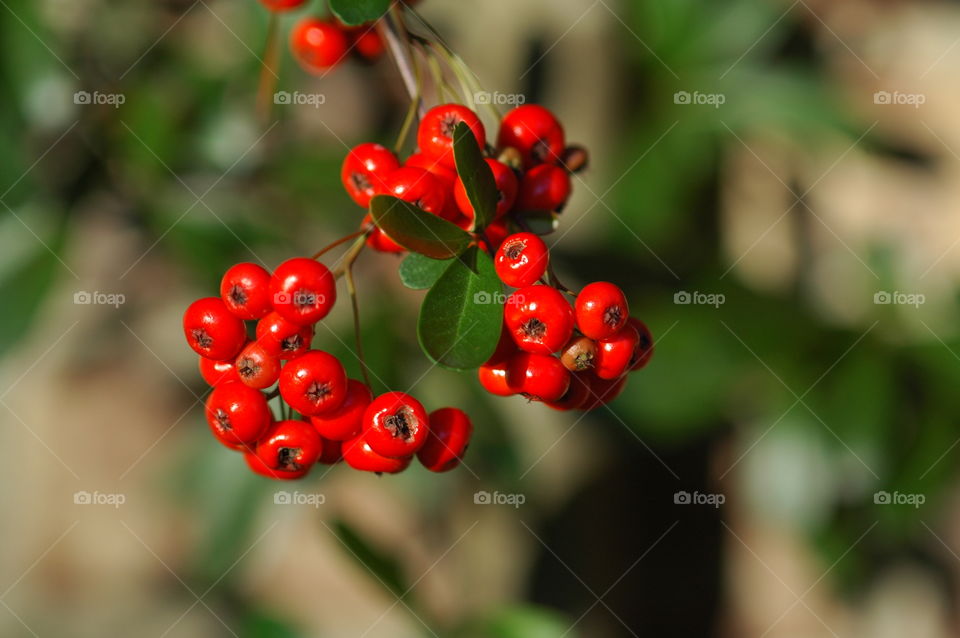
777 183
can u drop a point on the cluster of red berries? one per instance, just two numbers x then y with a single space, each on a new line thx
531 166
341 419
597 339
320 44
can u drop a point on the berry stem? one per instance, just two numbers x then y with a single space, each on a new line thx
268 70
352 253
355 306
340 241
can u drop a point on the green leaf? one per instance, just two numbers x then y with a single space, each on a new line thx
380 564
356 12
418 230
419 272
476 176
460 317
23 289
528 622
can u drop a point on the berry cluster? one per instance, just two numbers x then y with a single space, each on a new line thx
531 166
339 417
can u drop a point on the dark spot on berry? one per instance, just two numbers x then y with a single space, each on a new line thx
287 457
360 181
534 329
401 424
291 343
613 315
247 367
201 337
513 249
223 419
238 295
449 124
317 391
540 151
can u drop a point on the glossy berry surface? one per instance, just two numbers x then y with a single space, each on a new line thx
539 319
257 367
216 372
544 187
534 131
538 377
212 330
521 260
291 446
283 338
314 382
237 415
616 352
507 185
450 432
283 5
318 45
360 456
364 169
245 291
579 354
418 186
303 290
395 424
257 466
644 352
346 420
601 310
435 135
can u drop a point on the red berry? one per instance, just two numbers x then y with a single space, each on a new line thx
395 425
368 43
217 372
539 377
493 378
444 173
575 397
506 181
331 452
544 187
290 446
212 330
539 319
364 169
245 290
601 310
496 233
314 382
360 456
257 367
644 352
419 187
282 5
378 240
521 260
602 391
346 420
450 431
435 135
535 132
579 354
303 290
256 464
283 338
318 45
615 353
238 415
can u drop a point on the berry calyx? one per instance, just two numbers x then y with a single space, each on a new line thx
615 353
283 338
360 456
245 291
257 367
364 169
521 260
450 432
256 464
395 425
507 185
579 354
435 135
544 187
237 415
535 132
303 290
538 377
313 383
601 310
318 45
346 420
290 446
212 330
539 319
